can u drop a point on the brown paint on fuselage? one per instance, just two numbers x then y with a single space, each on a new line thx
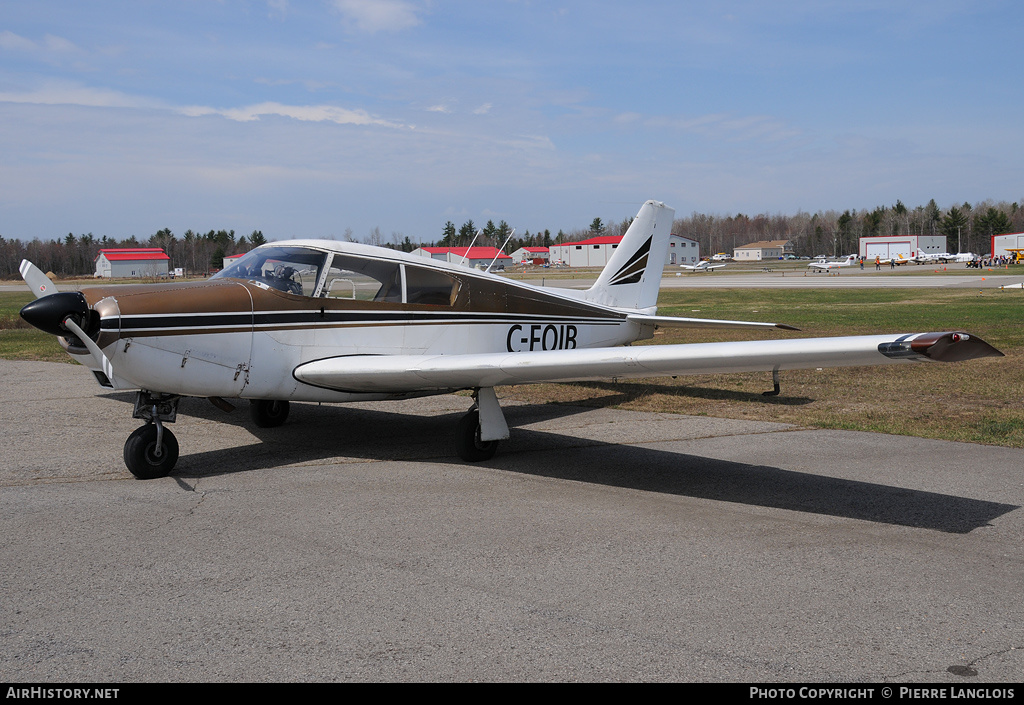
236 296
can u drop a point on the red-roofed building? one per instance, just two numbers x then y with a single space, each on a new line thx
467 256
132 262
530 255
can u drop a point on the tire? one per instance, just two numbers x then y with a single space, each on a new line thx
268 413
140 453
467 440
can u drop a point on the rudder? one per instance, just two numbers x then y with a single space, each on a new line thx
632 277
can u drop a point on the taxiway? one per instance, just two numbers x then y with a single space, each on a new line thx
599 545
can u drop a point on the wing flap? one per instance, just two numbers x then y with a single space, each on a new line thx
409 373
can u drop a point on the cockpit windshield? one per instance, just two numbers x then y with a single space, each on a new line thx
294 270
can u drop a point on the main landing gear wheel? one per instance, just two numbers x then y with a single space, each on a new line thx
144 458
467 440
268 413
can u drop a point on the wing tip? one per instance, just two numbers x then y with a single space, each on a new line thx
952 346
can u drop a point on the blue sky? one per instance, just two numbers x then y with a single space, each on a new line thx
304 119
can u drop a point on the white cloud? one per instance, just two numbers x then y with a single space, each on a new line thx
378 15
61 93
13 42
306 113
65 93
483 109
50 44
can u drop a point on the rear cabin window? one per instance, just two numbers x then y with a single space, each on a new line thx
429 286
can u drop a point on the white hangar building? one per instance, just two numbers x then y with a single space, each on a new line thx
126 263
901 246
1002 244
596 251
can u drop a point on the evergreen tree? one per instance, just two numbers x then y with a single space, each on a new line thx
448 235
467 233
954 226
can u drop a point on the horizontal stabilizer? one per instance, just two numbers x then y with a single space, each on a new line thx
675 322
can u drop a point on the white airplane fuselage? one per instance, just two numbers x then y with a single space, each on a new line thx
234 337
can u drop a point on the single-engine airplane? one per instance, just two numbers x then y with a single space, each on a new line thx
325 321
897 261
702 266
946 258
848 261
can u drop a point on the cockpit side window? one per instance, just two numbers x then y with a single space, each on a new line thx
429 286
295 270
362 279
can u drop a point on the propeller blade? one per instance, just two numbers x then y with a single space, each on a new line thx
97 354
40 284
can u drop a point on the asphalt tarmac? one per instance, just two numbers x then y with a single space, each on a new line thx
598 545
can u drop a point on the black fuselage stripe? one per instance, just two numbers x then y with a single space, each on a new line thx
313 318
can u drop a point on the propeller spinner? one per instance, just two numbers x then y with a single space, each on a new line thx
49 313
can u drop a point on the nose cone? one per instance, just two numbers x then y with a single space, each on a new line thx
48 313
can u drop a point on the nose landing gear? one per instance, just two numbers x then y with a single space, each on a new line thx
152 450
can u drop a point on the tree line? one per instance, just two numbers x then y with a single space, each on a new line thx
74 255
968 228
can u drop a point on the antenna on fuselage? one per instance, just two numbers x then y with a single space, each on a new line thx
465 256
500 249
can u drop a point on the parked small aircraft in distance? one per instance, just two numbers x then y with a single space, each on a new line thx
942 257
898 261
946 258
326 321
848 261
702 266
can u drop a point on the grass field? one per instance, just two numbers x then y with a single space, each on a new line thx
981 401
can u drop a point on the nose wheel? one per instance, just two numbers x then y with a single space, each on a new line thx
150 452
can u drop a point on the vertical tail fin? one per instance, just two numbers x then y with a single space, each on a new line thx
632 277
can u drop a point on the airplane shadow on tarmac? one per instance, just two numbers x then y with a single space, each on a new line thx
335 432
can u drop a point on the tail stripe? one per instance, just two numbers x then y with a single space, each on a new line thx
631 272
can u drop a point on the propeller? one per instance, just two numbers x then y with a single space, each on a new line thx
40 284
60 313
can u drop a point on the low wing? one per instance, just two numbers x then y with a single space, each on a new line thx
418 373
